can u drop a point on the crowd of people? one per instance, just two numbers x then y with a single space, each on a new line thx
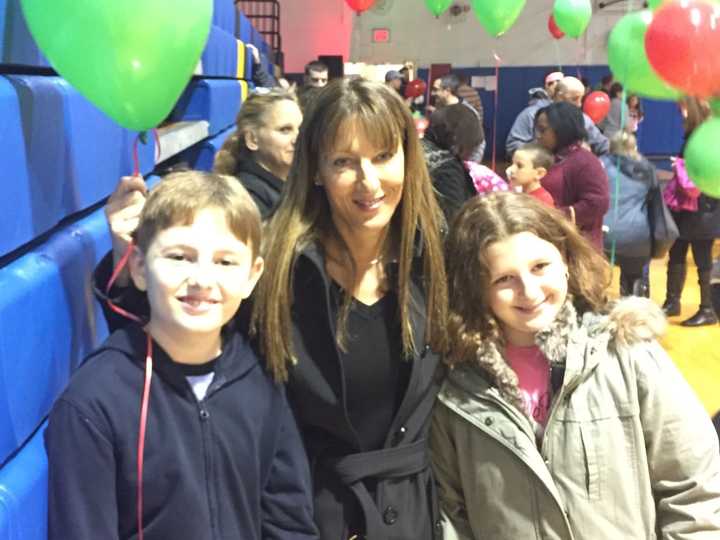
349 332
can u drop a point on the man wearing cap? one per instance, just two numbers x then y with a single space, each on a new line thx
568 89
445 90
394 80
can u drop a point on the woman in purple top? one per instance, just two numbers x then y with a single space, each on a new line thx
577 182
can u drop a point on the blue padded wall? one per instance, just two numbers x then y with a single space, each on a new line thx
16 205
219 59
49 322
243 27
214 100
74 153
224 15
17 45
23 492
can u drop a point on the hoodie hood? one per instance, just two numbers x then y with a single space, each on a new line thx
236 360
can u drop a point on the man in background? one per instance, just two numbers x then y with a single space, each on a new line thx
316 74
445 90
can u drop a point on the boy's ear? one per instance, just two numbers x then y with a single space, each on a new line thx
540 172
251 140
136 265
256 271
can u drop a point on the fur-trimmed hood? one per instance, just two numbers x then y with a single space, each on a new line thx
629 321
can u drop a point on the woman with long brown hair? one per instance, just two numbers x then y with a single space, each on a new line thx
561 416
351 311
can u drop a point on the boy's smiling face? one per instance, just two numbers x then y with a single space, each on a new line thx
195 276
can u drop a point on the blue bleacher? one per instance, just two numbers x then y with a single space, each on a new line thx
16 208
74 153
47 293
224 15
219 59
16 44
214 100
243 27
23 492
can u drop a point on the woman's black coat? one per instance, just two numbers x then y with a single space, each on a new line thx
404 506
264 187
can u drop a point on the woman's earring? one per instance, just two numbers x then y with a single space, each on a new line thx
317 182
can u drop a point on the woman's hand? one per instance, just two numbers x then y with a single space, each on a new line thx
122 212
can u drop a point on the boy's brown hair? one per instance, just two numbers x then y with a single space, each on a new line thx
539 156
178 198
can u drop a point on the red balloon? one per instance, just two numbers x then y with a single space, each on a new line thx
554 28
597 106
360 5
682 44
415 88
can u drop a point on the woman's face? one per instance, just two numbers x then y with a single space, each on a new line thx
544 134
273 144
528 285
363 183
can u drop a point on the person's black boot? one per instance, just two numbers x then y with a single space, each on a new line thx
706 314
715 291
675 283
641 287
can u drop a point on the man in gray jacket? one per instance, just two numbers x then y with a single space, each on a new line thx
569 89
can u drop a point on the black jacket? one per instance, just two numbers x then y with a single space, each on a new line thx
264 187
451 182
404 506
405 502
229 467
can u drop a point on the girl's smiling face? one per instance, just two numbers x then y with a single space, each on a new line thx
528 285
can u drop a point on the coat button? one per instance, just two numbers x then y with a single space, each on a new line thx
438 526
204 414
390 515
399 435
489 421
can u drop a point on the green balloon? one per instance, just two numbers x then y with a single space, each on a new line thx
654 4
715 106
497 16
628 60
702 158
438 7
130 58
572 16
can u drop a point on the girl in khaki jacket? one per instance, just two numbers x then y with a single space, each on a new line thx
561 417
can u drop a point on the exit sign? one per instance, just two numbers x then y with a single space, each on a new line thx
381 35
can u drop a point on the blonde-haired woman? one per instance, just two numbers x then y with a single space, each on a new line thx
261 150
351 311
627 221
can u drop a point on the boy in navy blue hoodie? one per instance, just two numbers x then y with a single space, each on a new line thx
216 454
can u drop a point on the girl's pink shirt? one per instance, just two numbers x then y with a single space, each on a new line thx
533 371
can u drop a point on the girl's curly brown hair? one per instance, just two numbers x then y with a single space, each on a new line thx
494 218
